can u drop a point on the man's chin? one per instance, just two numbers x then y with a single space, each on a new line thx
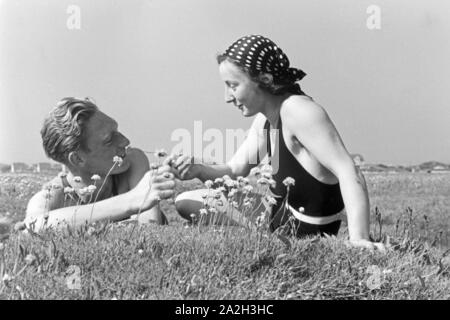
125 165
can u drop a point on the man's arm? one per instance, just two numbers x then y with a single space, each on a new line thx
145 195
153 215
115 208
139 166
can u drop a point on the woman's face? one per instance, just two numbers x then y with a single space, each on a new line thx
240 90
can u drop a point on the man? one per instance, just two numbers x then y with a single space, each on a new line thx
106 179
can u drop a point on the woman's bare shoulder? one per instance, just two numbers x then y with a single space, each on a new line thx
297 110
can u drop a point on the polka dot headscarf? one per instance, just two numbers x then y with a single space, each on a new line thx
260 54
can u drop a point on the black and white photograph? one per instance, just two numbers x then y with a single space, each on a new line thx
228 156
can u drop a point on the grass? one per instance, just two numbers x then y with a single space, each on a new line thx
187 262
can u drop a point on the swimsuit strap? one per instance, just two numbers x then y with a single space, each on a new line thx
268 143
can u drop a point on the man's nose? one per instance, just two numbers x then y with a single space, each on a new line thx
124 141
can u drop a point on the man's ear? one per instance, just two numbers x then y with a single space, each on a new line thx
75 159
266 78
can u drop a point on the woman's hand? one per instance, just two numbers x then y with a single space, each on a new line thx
184 166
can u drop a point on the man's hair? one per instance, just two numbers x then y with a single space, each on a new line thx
63 129
273 88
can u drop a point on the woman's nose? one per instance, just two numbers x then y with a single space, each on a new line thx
228 97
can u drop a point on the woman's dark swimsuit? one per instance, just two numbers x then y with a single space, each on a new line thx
317 198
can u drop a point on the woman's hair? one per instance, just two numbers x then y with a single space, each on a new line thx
276 88
63 129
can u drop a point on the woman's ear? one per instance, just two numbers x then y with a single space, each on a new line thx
266 78
75 159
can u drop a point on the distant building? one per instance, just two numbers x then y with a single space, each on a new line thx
42 167
439 169
18 167
45 167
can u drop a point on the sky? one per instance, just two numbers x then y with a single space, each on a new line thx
150 64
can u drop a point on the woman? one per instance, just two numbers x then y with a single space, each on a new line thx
259 82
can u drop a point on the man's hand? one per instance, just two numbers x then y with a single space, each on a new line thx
183 166
367 244
154 186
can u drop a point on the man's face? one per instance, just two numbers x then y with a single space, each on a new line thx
104 142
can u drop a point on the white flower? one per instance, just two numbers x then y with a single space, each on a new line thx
218 180
154 166
260 220
203 212
226 177
231 183
204 195
6 277
301 210
213 210
267 168
91 188
255 171
82 191
248 189
266 175
140 251
208 184
68 190
90 231
77 179
29 259
95 177
232 193
272 183
219 203
118 160
262 181
289 182
271 200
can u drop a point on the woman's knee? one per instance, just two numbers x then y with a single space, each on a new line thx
189 202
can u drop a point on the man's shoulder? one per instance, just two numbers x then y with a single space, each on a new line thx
136 154
139 165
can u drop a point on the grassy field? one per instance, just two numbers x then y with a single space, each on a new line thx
117 261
